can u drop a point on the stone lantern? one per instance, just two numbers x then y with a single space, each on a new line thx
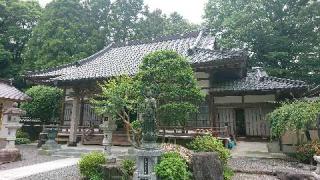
108 126
11 122
11 118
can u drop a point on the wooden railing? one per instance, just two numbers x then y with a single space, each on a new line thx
178 132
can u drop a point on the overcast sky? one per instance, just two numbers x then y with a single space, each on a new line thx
190 9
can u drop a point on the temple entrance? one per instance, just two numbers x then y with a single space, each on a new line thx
240 123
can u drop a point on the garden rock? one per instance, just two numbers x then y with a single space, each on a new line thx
9 155
206 166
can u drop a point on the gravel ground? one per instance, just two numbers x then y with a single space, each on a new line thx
30 156
67 173
243 176
244 167
268 166
256 169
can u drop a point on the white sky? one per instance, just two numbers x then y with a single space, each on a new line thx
190 9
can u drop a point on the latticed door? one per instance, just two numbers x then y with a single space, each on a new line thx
256 122
226 117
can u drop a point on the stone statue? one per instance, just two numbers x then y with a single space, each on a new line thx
149 129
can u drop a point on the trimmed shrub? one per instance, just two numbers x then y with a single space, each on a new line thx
21 134
172 167
128 168
305 152
22 141
211 144
45 104
89 165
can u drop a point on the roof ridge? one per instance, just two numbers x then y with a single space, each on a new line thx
168 37
283 79
77 63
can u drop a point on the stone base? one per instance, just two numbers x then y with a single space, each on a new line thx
72 144
9 155
112 171
49 148
146 160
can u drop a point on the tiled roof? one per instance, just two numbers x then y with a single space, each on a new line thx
257 81
125 58
9 92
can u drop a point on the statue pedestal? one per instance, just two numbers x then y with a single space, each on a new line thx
50 145
146 160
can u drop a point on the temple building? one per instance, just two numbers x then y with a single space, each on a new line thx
236 96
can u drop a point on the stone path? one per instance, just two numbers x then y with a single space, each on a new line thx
21 172
254 150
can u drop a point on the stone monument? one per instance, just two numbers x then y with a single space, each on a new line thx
11 119
149 153
108 126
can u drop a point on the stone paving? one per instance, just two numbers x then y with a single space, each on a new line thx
30 156
21 172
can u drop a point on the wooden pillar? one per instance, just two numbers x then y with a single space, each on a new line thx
62 107
212 110
81 111
75 117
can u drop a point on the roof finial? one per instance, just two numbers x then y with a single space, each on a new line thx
195 44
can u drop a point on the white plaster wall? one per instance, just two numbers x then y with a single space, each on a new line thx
69 91
3 130
205 91
201 75
203 83
259 98
227 99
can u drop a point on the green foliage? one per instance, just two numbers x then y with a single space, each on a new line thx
298 115
210 144
171 79
45 104
22 134
17 18
89 165
155 23
172 167
70 30
118 97
22 141
137 131
305 152
282 36
128 168
228 173
64 33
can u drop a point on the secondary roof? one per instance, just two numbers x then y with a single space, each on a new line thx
8 92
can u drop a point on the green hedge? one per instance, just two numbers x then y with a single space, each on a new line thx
89 165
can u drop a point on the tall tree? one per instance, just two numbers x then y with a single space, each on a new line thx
282 35
170 78
124 18
65 33
17 18
154 24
